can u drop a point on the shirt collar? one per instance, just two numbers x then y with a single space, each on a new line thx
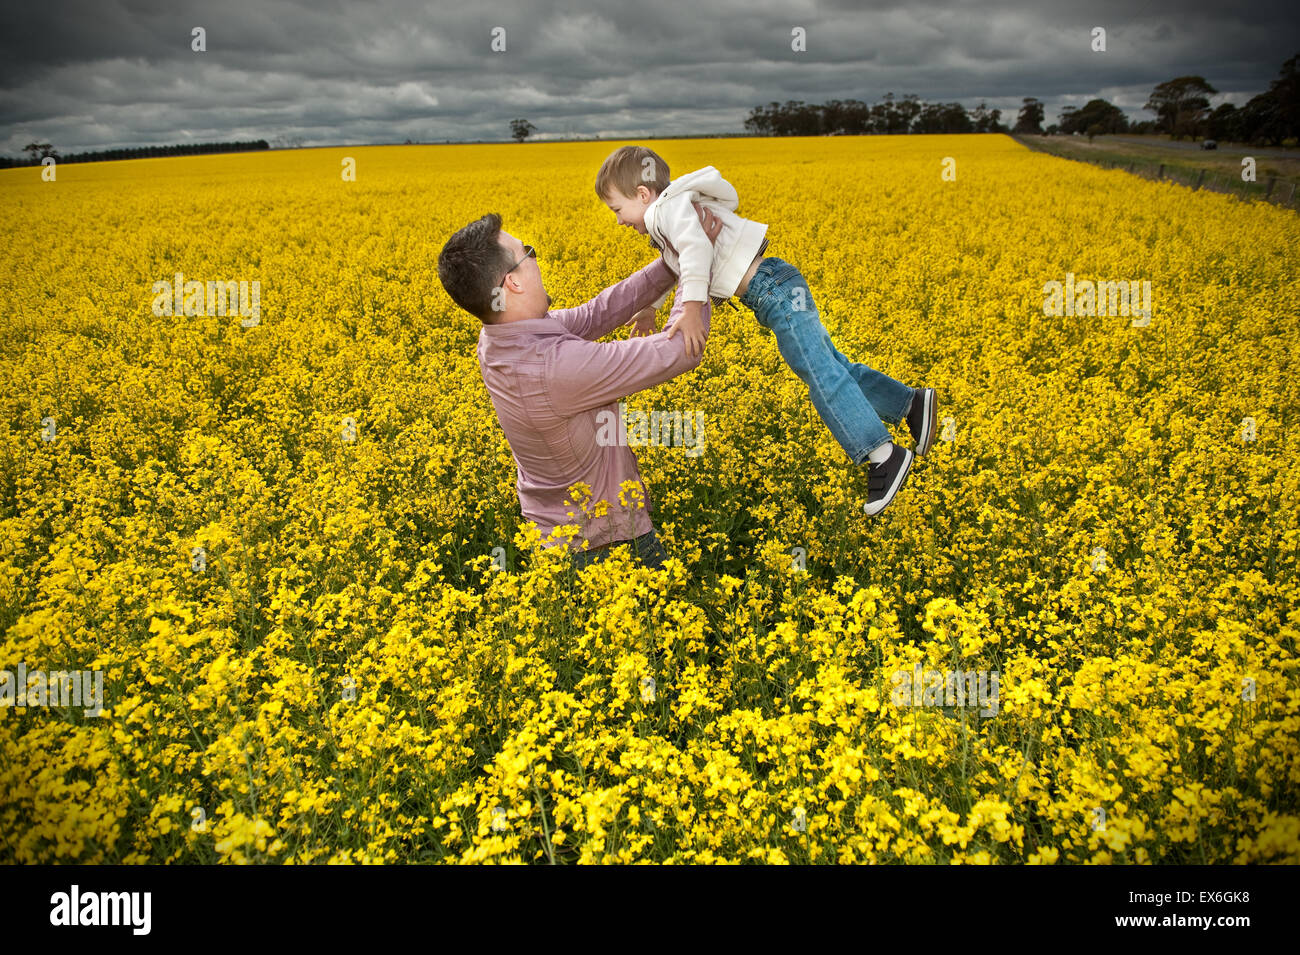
526 326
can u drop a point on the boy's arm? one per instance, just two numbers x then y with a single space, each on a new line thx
588 375
694 250
618 303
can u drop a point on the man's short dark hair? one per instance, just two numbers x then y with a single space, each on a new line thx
471 265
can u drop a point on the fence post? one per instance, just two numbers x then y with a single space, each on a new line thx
1200 179
1160 174
1292 193
1272 181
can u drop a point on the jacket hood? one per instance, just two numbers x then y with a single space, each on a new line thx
707 181
692 180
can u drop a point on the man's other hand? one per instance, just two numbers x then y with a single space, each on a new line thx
710 220
643 322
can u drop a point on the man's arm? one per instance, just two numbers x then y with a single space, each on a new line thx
588 375
618 303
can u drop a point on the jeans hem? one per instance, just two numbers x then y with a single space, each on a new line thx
902 415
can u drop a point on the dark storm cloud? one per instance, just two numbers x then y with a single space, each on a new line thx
103 73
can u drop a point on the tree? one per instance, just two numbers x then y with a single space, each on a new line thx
855 117
985 120
844 117
1030 119
909 107
1224 124
760 119
1274 115
521 129
1181 104
885 117
800 119
943 118
1260 121
1285 91
40 151
1107 117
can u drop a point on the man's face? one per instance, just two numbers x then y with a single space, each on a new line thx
630 209
525 279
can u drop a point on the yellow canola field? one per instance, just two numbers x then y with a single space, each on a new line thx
275 539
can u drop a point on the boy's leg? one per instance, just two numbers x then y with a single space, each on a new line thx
782 301
890 397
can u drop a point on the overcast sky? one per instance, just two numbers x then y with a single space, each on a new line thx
101 73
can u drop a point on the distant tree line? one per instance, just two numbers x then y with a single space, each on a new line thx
1181 105
38 151
855 118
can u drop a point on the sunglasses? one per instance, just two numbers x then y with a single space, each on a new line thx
529 252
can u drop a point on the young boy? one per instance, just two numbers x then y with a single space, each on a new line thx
851 398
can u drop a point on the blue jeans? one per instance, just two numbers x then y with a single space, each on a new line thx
852 399
647 547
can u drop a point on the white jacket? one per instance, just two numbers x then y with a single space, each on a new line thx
687 250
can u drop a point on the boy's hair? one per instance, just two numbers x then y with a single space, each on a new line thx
628 167
471 264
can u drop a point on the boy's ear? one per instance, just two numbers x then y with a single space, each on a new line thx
643 193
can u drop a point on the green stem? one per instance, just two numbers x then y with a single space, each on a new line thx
546 831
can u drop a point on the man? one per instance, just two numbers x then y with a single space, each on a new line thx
549 380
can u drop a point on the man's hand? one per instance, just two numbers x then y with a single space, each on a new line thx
691 325
643 322
711 222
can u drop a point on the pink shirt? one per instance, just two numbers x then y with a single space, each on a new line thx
549 378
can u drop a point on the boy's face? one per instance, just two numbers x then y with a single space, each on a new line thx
631 209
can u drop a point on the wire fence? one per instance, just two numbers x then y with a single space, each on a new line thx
1277 191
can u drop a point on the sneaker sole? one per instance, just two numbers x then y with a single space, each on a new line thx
928 417
888 499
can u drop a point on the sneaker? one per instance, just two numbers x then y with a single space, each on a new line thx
885 479
922 420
